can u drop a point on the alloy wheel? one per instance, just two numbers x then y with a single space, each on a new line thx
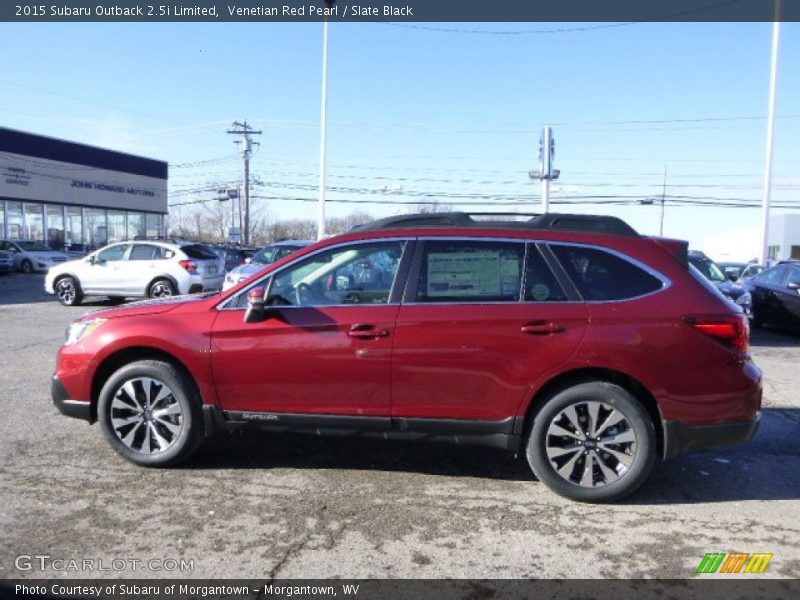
591 444
146 416
65 290
161 290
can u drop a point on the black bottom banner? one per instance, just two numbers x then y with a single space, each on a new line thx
418 589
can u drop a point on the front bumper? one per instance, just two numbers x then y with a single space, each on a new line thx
679 437
67 406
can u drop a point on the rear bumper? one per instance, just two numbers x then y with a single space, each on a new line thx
679 437
66 406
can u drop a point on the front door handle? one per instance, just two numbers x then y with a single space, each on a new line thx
367 332
541 328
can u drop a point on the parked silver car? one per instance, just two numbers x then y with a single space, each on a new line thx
6 262
31 256
266 256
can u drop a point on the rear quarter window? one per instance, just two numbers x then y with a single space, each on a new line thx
199 252
602 276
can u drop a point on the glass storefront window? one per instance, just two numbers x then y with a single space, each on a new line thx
96 228
116 226
55 227
73 232
153 225
135 225
14 220
2 219
34 222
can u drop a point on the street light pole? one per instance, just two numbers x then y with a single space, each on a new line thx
323 127
776 32
663 202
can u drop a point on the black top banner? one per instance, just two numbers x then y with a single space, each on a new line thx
400 11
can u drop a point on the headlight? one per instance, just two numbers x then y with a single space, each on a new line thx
80 329
744 299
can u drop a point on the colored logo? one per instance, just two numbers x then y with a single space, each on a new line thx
737 562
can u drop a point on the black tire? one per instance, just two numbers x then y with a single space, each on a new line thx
179 424
26 267
161 288
612 401
68 291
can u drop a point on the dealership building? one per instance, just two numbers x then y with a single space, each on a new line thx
77 197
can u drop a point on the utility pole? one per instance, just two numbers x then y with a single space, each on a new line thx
546 172
245 131
763 251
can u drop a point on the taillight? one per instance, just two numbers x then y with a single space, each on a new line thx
189 265
731 330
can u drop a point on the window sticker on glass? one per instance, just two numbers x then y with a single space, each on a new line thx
482 273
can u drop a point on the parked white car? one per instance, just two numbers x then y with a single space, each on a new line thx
148 269
31 256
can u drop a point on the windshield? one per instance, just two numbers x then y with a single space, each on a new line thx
732 270
709 269
33 246
263 256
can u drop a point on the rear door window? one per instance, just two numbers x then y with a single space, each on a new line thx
144 252
471 271
600 275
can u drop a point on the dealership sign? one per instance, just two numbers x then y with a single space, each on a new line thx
42 180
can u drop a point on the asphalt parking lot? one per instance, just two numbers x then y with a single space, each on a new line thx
255 505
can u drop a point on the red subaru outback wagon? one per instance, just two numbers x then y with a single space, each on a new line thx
592 349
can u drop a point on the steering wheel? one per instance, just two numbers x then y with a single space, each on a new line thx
303 294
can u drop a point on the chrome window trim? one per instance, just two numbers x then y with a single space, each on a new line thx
223 305
666 282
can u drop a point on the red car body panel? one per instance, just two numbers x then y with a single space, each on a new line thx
474 361
305 362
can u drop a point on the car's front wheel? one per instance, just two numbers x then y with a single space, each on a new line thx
593 442
151 414
26 267
68 291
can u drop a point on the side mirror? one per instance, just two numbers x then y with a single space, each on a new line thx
256 308
247 260
732 276
90 259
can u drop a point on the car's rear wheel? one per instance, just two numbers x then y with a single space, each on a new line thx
151 414
26 267
162 288
593 442
68 291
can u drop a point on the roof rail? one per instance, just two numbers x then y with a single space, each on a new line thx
552 221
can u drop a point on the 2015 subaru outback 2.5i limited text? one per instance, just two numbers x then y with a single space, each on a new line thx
572 339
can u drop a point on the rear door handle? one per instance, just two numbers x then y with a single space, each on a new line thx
367 332
541 328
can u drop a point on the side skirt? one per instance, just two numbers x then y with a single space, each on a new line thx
496 434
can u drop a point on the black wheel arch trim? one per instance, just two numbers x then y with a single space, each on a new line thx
680 437
76 409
